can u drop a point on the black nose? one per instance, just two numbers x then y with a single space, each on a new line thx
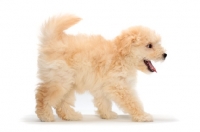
164 55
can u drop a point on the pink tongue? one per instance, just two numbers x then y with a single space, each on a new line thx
151 66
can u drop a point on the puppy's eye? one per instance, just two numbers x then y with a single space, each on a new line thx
149 45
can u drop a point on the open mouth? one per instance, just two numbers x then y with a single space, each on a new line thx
149 65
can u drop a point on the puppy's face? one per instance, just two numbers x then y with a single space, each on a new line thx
144 46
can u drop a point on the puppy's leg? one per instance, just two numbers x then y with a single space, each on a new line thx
104 106
64 109
128 101
48 94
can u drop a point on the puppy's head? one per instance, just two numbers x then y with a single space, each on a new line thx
142 45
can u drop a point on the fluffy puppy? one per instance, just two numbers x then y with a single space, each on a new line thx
106 68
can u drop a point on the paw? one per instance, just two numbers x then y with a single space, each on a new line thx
142 118
73 116
45 115
109 115
46 118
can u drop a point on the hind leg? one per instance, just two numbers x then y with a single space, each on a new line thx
64 109
47 96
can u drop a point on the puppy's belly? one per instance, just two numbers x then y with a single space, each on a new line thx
87 81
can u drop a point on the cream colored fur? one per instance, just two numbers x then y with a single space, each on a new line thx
107 68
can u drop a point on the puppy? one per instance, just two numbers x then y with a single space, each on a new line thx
106 68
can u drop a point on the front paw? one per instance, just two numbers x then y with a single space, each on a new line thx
142 118
108 115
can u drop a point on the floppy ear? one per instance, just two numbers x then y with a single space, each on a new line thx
136 40
124 43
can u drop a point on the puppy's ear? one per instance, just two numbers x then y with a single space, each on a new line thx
135 40
124 43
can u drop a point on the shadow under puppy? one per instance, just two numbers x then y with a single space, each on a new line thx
106 68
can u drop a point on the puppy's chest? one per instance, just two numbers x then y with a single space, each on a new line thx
130 77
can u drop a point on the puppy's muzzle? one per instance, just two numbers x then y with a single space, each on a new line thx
164 55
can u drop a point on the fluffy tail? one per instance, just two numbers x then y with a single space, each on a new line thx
54 27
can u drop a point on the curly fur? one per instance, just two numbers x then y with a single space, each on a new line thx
107 68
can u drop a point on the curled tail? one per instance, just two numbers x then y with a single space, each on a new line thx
54 27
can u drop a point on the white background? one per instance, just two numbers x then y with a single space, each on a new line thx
172 95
